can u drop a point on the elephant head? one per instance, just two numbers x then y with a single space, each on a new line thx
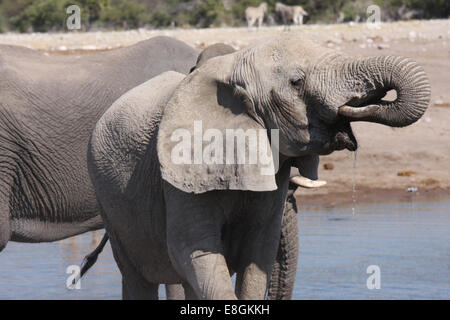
306 93
307 165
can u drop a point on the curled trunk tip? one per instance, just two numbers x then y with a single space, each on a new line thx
411 84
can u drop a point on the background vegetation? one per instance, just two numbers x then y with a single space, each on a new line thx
50 15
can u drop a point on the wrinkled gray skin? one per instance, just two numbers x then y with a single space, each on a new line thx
192 223
49 105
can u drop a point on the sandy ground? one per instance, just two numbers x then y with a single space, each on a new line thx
389 161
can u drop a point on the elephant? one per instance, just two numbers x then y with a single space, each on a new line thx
182 212
283 276
49 105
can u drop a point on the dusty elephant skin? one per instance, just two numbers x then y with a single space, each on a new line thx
49 105
192 223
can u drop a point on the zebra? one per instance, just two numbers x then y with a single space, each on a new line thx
256 14
290 14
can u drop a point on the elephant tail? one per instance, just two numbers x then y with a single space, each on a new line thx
91 258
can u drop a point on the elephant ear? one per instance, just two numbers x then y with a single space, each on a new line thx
212 51
308 166
208 139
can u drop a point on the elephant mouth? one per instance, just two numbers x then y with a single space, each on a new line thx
343 137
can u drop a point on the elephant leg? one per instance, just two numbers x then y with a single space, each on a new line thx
251 283
5 229
206 272
204 267
254 274
174 292
136 288
134 285
180 292
285 266
195 245
189 292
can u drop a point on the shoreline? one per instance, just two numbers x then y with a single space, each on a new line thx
365 195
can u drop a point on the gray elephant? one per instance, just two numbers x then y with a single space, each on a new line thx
183 212
49 105
285 267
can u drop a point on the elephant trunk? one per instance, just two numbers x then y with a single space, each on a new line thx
282 281
404 76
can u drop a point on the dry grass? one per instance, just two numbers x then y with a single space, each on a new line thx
430 182
408 173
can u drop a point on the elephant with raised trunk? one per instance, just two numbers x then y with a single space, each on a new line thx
49 105
190 222
285 267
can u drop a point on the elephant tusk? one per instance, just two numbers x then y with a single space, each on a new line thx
307 183
358 112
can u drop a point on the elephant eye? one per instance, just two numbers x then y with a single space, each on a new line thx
297 79
297 82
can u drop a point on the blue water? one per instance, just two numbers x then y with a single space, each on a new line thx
408 241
